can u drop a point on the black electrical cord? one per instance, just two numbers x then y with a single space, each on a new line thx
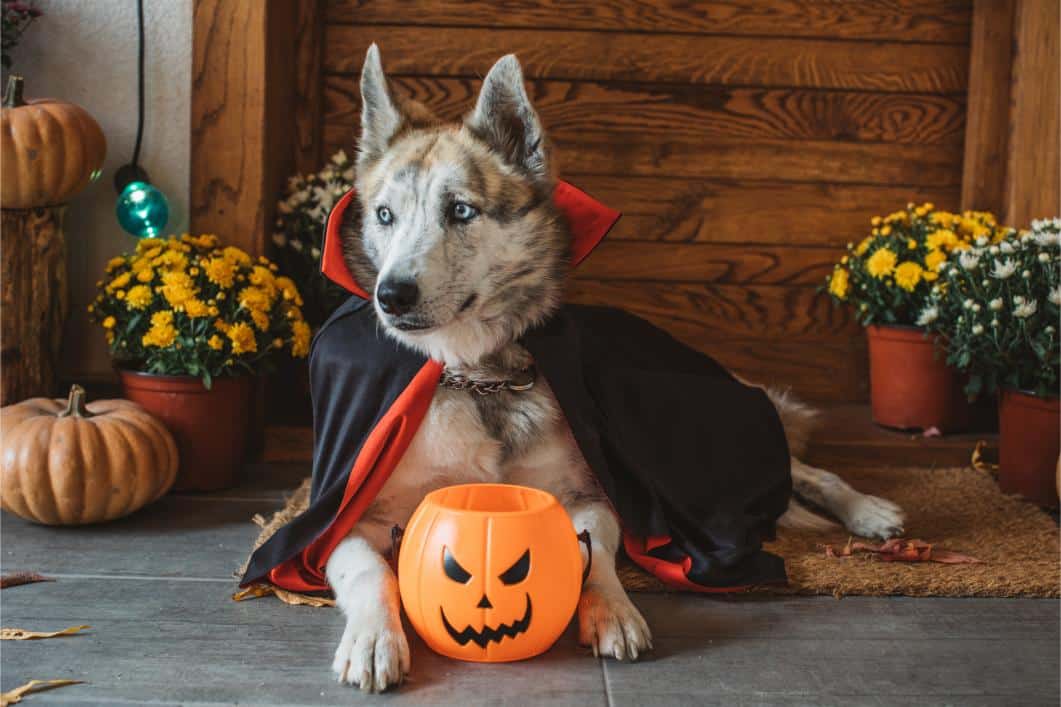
139 83
133 172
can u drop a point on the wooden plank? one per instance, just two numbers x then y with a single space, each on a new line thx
902 20
675 112
1033 182
746 311
574 55
987 132
308 85
580 153
721 263
764 212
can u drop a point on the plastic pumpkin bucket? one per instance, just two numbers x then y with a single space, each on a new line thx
490 572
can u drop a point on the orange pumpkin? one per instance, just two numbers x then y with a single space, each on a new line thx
49 150
63 462
490 572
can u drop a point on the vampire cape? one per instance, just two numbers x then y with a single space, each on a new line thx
694 462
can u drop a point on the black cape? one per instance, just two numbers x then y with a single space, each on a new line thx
694 462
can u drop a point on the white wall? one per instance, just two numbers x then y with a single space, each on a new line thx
85 51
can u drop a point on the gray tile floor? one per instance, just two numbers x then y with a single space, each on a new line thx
155 588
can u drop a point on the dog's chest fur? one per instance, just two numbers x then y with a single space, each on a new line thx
507 437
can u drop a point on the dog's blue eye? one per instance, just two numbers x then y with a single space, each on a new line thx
464 212
384 215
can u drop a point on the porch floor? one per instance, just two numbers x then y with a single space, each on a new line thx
155 588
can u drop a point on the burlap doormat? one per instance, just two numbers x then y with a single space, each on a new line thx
960 510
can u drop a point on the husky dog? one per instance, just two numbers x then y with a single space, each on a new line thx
463 250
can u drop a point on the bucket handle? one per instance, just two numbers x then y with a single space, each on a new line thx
584 537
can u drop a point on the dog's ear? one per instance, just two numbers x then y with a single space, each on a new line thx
505 119
381 117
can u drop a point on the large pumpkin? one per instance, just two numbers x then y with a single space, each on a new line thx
63 462
490 572
50 150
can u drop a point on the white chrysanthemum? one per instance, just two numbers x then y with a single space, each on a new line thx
978 328
1041 224
315 252
969 261
1025 309
995 304
279 239
1047 239
284 208
967 304
928 315
1044 257
1055 296
348 175
994 323
981 241
1004 269
340 157
1006 247
975 307
993 250
296 244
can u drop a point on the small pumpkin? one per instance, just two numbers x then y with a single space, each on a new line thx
49 149
63 462
490 572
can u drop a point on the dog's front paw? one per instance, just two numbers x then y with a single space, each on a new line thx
611 625
372 657
873 517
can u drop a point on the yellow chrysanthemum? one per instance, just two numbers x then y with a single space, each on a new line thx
255 299
236 255
863 246
215 342
109 322
907 275
119 282
261 319
115 263
262 277
943 239
839 283
220 271
278 343
242 338
195 308
221 325
138 297
162 333
145 274
171 260
300 339
289 290
149 244
934 260
881 263
911 244
177 288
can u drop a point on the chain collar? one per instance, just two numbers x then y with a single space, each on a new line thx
522 380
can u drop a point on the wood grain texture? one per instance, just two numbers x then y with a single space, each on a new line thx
34 301
745 311
721 263
689 112
576 55
308 85
765 212
1033 187
228 170
987 131
904 20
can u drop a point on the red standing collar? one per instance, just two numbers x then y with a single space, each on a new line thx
588 219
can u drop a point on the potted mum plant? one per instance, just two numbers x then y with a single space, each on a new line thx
997 310
888 278
189 323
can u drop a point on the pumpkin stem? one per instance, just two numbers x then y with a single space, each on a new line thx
13 96
75 405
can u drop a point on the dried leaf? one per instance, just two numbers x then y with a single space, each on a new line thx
15 696
979 463
253 592
953 558
20 634
264 590
18 578
902 550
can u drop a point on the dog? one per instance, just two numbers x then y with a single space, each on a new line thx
462 249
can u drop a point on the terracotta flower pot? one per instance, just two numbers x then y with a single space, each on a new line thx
1029 444
210 426
911 385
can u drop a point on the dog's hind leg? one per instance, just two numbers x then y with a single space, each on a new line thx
862 514
373 652
608 621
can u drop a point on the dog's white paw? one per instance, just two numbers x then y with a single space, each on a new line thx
372 657
610 624
873 517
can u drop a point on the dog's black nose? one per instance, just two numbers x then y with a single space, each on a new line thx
397 296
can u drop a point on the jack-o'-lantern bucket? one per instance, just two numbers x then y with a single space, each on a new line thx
490 572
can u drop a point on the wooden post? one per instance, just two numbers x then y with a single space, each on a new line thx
35 301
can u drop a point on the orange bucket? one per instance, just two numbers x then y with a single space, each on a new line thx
490 572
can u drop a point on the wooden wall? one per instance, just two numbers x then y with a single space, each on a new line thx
745 141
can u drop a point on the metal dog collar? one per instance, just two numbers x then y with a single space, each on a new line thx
521 381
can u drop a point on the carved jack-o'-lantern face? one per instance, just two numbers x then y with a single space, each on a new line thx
490 572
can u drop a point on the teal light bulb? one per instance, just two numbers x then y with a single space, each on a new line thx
142 210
